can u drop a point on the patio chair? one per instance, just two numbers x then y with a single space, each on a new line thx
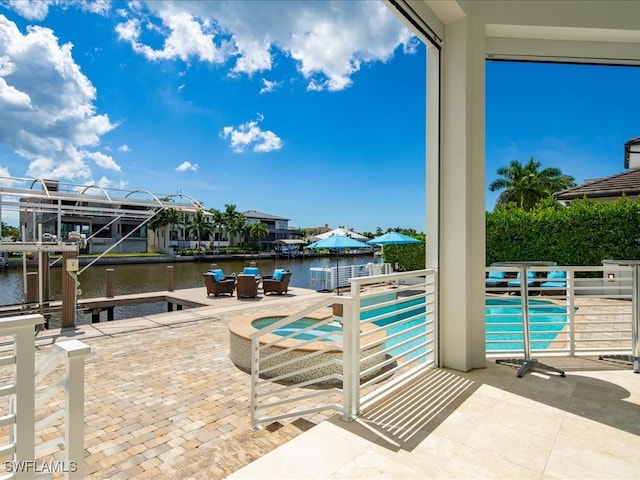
556 283
255 271
496 279
276 283
218 284
516 283
247 286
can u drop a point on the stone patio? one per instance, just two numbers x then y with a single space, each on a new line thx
163 400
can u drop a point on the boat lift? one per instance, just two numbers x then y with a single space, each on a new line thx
73 200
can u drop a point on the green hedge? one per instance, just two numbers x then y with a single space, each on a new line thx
408 257
585 233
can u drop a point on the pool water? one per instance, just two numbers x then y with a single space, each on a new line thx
391 323
546 320
544 316
301 324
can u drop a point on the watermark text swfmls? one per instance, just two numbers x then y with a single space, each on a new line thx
55 466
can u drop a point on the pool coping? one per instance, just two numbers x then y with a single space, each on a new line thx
243 328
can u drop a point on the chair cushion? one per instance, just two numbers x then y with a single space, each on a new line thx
251 271
557 274
278 274
217 274
496 274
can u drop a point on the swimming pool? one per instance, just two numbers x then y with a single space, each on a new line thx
503 324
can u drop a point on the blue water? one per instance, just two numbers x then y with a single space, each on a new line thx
391 322
546 320
301 324
544 316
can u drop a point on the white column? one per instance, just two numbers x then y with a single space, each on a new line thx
461 199
74 351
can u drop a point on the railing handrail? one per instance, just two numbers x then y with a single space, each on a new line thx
359 360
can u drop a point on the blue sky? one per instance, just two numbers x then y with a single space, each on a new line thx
574 117
313 111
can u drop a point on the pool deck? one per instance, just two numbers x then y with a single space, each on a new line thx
163 400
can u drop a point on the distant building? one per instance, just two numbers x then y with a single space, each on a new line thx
603 189
65 212
278 227
109 221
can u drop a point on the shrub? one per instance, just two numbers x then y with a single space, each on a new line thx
585 233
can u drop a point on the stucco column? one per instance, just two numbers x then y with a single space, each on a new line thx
461 199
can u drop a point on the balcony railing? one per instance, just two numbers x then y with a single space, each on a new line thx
32 414
372 342
581 311
377 340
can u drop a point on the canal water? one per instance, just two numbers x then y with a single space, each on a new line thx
152 277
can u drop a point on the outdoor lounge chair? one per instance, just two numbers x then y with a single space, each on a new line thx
516 283
247 286
496 279
218 284
556 283
276 283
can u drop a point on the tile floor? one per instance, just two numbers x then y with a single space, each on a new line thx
484 424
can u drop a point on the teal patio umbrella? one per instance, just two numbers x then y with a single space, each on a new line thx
337 243
393 238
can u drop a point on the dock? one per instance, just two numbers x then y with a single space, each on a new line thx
175 300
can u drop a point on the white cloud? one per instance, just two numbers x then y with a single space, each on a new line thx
31 9
124 148
185 36
329 40
5 182
249 135
269 86
39 9
47 114
186 165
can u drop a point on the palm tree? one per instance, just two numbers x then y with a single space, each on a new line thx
158 221
233 221
525 185
199 225
173 217
258 230
217 219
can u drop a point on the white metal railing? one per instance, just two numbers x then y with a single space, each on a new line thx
25 459
399 327
371 342
383 333
331 278
587 312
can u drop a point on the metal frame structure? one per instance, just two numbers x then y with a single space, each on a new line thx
60 199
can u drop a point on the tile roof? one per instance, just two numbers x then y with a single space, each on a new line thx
627 183
261 215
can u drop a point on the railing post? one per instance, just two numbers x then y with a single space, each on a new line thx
635 316
351 357
571 307
24 432
75 351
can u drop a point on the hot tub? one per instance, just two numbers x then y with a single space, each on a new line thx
241 329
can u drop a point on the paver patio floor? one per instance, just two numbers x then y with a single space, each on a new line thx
163 400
